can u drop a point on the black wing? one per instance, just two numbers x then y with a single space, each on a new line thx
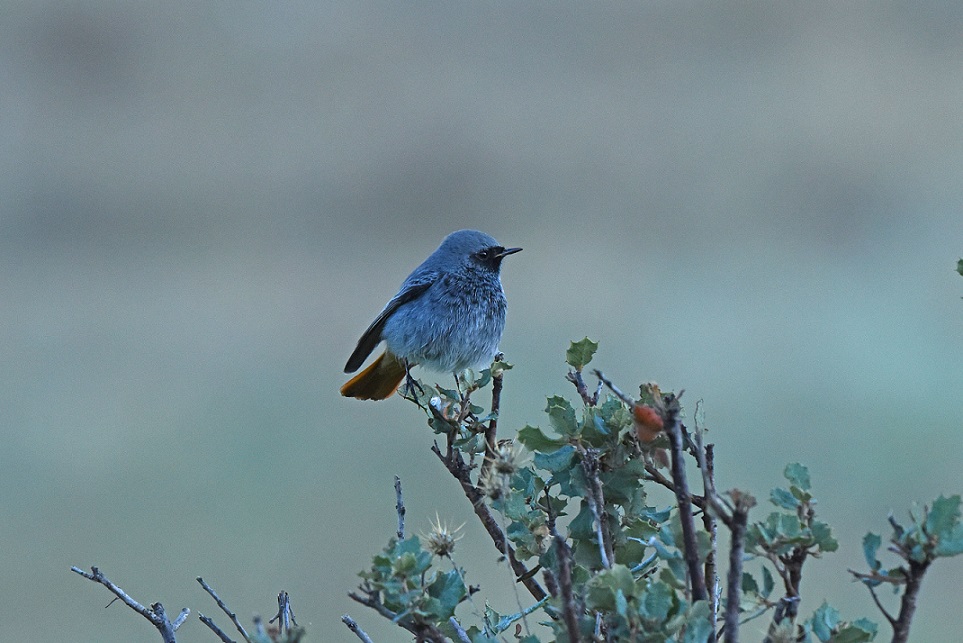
372 336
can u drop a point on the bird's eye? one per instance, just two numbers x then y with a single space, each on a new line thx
484 254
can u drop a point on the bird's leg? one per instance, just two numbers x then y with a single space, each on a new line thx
462 395
410 382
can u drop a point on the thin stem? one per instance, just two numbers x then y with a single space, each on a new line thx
569 610
400 508
740 521
354 627
492 428
681 484
224 608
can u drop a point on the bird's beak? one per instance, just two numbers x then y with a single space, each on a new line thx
508 251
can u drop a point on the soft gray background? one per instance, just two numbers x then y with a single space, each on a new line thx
201 208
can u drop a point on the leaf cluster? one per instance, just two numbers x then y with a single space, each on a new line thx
585 502
938 533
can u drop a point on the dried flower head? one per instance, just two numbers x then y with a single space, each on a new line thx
506 460
441 540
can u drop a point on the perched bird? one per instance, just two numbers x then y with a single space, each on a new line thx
448 316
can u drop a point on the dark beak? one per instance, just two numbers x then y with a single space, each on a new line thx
508 251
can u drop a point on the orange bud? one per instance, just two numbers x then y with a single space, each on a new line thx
648 423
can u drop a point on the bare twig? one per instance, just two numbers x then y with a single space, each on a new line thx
711 527
224 608
492 428
690 549
206 620
459 630
618 393
569 609
889 617
588 399
354 627
285 615
739 523
155 613
400 508
596 502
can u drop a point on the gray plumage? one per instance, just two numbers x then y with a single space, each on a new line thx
449 313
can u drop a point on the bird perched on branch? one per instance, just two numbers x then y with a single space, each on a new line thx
448 316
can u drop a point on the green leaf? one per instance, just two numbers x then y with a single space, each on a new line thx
798 475
533 439
582 526
824 621
950 542
959 266
768 584
823 536
657 602
867 626
448 590
593 430
621 604
482 380
615 414
561 415
491 616
944 514
408 558
605 586
558 460
783 498
698 628
622 484
749 585
580 353
856 632
871 544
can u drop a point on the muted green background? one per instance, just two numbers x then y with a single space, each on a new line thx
201 208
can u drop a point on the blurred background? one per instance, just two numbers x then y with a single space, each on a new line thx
203 206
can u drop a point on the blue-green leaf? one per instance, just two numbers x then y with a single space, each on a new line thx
798 475
871 544
943 515
558 460
783 498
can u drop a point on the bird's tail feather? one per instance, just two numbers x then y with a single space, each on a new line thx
379 381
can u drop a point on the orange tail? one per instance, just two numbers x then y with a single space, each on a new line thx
378 381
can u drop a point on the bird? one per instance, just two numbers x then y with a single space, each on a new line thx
448 316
